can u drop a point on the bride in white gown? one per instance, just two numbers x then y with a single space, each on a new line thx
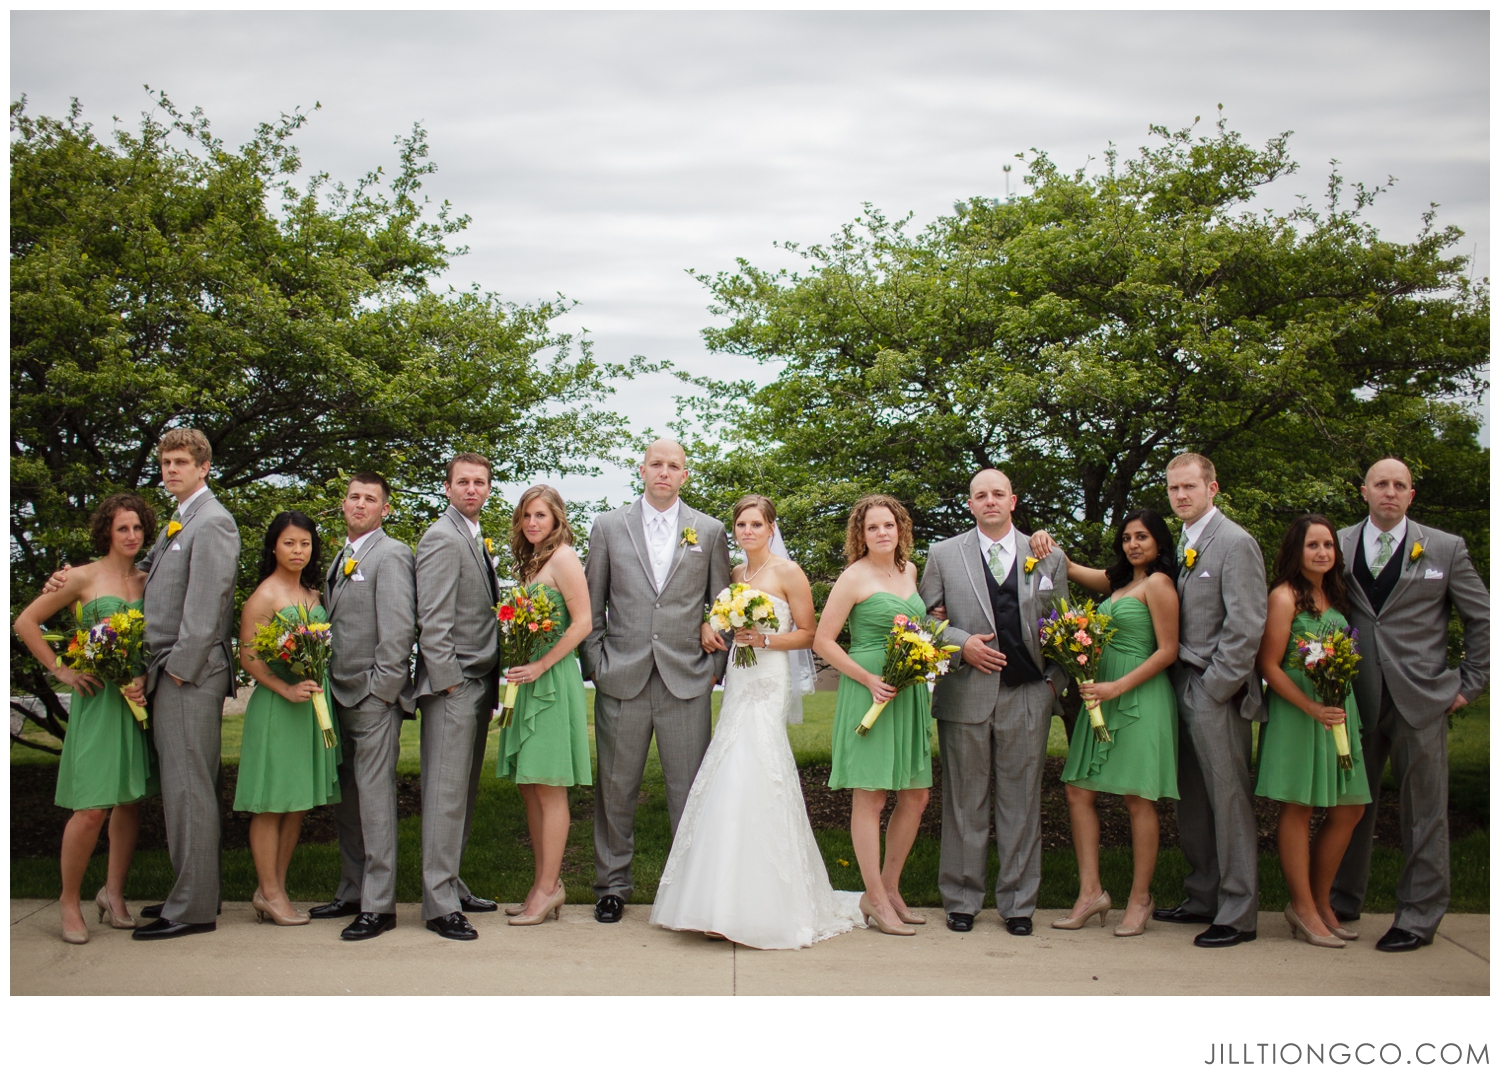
744 864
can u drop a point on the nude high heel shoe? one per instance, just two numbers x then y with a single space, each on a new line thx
906 915
882 925
107 915
1100 907
552 908
1324 941
1121 932
76 937
264 911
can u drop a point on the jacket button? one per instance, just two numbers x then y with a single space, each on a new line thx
656 636
658 605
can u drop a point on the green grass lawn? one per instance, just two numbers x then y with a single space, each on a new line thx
497 866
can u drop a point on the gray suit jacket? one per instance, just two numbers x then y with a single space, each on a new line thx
374 617
635 627
458 635
1223 615
954 578
190 596
1407 644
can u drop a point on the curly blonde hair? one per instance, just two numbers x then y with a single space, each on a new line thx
532 559
854 537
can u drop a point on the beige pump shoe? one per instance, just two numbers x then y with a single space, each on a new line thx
1100 907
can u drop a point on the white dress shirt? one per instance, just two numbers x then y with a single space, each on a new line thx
353 544
1372 542
1195 531
661 537
181 508
1007 546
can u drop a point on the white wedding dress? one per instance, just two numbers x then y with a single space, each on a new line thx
744 863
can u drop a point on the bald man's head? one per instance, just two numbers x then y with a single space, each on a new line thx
1388 490
991 502
988 476
663 470
667 446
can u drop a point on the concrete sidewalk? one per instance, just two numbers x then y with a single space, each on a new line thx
580 956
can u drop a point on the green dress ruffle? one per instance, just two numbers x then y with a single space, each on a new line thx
897 751
1298 760
283 764
107 758
1141 759
547 742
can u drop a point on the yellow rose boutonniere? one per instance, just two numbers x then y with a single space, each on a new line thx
1188 556
1030 565
349 565
689 536
489 546
1416 552
173 527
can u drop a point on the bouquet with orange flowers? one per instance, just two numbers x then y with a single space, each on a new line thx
111 650
529 627
302 647
1075 637
915 650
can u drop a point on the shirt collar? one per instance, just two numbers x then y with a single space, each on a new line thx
649 514
1007 544
1196 530
201 491
356 543
1397 533
474 527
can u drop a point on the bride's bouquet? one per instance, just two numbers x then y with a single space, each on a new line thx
110 650
914 652
1329 661
303 647
1075 637
530 625
740 606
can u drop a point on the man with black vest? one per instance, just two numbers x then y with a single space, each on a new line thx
994 709
1404 581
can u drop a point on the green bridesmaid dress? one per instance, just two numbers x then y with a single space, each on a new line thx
106 756
897 751
547 742
1141 759
284 766
1299 762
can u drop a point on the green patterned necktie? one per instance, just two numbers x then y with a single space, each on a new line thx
995 561
1384 553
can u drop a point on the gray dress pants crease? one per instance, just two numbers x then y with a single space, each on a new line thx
1011 744
454 730
186 726
1419 762
622 732
366 814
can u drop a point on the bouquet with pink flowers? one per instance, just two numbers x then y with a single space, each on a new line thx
1329 661
1075 637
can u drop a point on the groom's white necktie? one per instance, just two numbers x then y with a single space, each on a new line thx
660 542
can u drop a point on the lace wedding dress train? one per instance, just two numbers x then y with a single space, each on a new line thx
744 863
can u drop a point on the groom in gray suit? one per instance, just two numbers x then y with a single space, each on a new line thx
1404 580
653 568
1222 586
372 603
994 709
458 657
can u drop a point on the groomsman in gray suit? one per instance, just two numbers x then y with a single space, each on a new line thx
372 603
653 568
457 666
189 611
994 709
1222 585
1404 581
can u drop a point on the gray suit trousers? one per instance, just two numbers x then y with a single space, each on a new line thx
1419 761
186 724
366 815
622 731
1216 811
1011 745
454 730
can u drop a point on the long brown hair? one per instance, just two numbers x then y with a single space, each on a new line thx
1288 567
854 538
532 559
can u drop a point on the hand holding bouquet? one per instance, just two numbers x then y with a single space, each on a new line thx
530 625
1075 637
1329 661
302 647
914 652
740 606
110 650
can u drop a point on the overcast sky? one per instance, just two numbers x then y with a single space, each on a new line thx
602 155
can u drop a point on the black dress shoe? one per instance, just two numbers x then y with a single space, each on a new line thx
1019 925
335 909
1220 936
1346 917
476 904
152 911
167 928
1397 940
960 922
609 909
1180 914
452 926
369 925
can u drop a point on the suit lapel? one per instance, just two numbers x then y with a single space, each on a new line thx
462 526
1350 542
1210 529
637 531
685 518
362 558
1026 592
164 544
974 566
1409 567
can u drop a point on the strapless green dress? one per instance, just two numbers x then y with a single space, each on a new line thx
1298 760
897 751
547 742
283 764
1141 759
107 757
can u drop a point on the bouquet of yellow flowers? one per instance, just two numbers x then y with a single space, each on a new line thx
110 650
914 652
740 606
530 625
1075 637
302 647
1330 661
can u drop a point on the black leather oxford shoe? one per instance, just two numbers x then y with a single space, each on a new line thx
1220 936
166 928
151 911
1397 940
1180 914
609 909
369 925
960 922
452 926
1019 925
334 909
476 904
